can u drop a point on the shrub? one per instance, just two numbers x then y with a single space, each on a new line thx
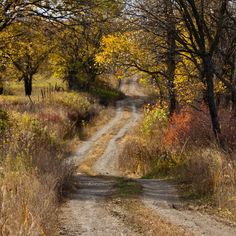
106 94
192 127
71 100
189 127
228 126
155 119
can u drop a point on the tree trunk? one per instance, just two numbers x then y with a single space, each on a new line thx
72 80
233 96
28 85
171 58
1 86
172 97
210 95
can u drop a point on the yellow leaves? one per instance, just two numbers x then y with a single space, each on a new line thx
24 44
187 86
132 51
219 87
153 116
121 49
113 46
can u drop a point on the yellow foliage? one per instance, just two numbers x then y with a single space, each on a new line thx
125 50
187 85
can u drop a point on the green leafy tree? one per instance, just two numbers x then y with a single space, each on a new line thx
27 51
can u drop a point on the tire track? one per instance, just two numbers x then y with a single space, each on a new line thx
88 145
107 164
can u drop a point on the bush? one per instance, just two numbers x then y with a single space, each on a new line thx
188 128
155 120
106 94
71 100
192 127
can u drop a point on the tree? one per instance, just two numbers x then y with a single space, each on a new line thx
51 10
191 29
78 45
28 52
157 19
202 24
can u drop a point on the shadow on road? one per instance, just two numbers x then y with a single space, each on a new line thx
103 186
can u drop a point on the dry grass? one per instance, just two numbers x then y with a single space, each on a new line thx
33 149
27 206
146 158
33 175
211 173
138 155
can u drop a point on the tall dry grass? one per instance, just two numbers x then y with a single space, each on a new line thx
33 168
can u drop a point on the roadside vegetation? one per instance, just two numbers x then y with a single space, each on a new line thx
35 142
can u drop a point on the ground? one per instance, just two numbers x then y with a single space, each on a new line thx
100 206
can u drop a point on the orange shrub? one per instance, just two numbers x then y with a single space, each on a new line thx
190 126
193 127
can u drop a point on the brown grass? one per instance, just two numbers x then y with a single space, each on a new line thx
211 173
27 206
33 168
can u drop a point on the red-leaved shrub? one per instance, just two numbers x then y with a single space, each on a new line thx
193 127
190 126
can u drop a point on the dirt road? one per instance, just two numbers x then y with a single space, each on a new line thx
85 212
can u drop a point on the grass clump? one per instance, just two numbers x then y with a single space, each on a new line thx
127 188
